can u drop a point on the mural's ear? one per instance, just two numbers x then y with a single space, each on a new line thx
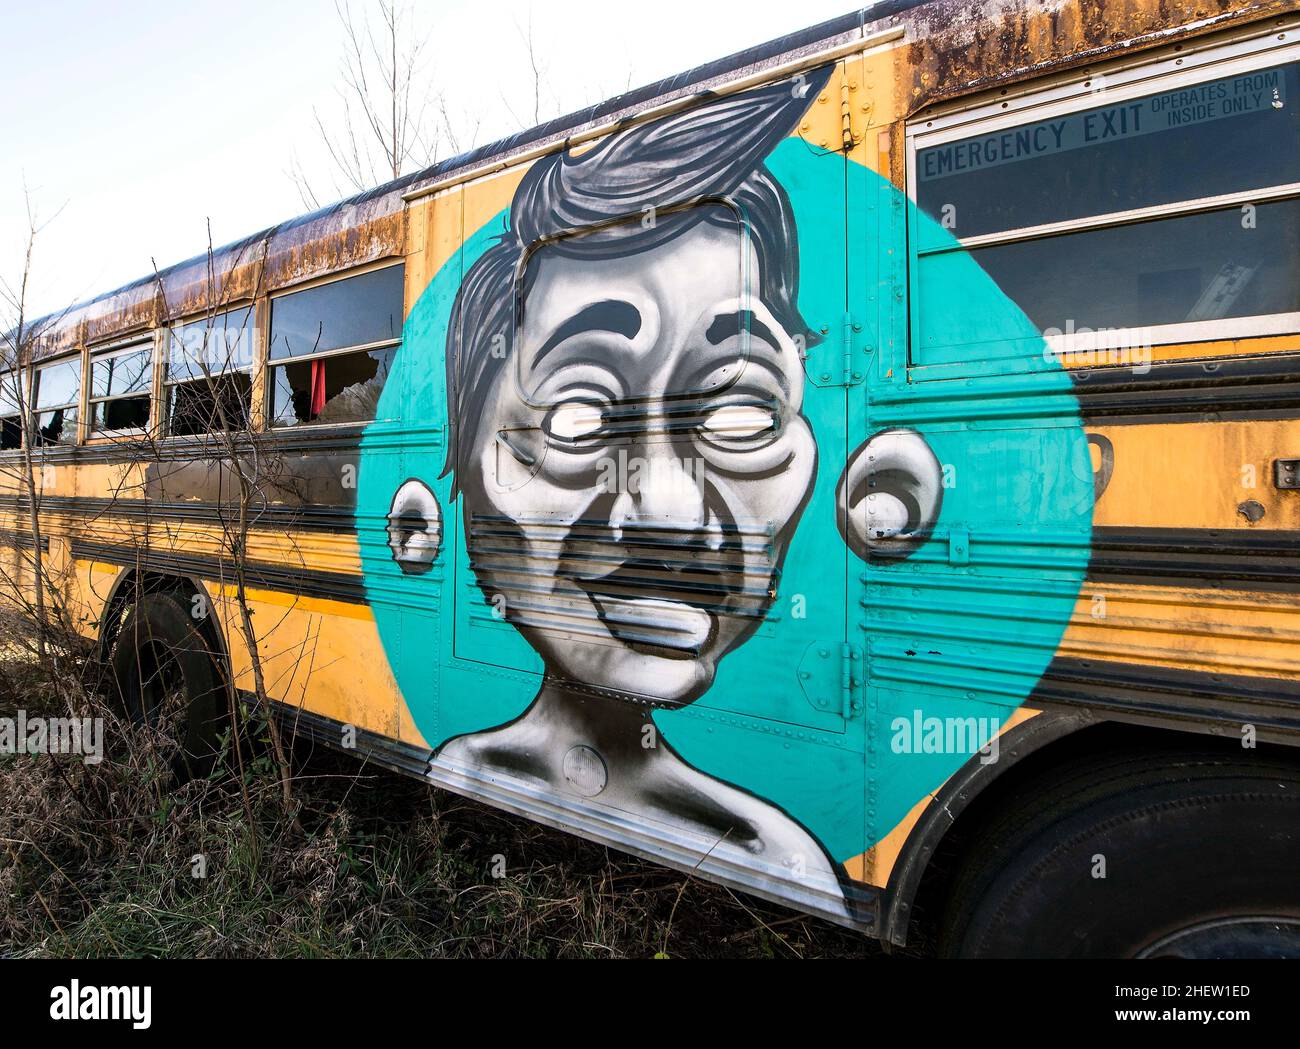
889 495
414 527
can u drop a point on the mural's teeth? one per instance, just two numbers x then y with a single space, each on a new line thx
681 625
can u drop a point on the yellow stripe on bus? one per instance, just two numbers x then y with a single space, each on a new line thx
1197 475
1212 631
1188 351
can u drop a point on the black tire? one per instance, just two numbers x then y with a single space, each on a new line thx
1201 853
162 668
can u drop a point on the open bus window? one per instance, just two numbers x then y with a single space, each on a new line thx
342 388
332 348
208 384
1134 221
209 405
120 387
57 427
57 400
11 426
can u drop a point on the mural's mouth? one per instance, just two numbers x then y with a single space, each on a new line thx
664 609
653 626
656 588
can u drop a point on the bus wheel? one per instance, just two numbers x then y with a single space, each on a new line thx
166 680
1190 854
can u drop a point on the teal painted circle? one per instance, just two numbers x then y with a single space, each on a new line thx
945 640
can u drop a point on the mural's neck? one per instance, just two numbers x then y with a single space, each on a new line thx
621 731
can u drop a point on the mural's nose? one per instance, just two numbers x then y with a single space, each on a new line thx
663 488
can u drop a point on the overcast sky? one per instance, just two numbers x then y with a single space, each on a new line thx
143 119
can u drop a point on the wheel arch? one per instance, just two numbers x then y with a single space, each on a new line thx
132 584
951 801
1026 750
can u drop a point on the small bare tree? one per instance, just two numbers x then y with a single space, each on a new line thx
259 475
539 79
21 337
389 116
226 435
393 115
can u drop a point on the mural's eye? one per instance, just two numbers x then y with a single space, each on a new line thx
739 421
575 420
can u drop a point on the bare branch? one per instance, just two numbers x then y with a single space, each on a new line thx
381 128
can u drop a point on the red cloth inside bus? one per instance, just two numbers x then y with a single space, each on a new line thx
317 388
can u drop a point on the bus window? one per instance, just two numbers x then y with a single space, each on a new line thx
1166 216
11 427
120 385
332 348
209 383
57 398
1205 266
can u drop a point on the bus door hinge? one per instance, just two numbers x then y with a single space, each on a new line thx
846 371
831 677
1286 474
852 673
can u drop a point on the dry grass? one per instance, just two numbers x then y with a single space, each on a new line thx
99 860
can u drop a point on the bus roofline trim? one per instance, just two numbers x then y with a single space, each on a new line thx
830 54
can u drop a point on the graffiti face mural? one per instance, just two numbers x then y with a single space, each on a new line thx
639 458
629 392
649 436
631 451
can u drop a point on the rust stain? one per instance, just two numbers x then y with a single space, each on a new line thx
958 47
353 233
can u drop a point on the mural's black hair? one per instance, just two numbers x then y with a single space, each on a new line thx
713 151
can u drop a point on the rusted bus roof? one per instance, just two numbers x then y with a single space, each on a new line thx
362 229
951 47
960 47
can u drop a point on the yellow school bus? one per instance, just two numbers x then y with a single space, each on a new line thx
862 471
